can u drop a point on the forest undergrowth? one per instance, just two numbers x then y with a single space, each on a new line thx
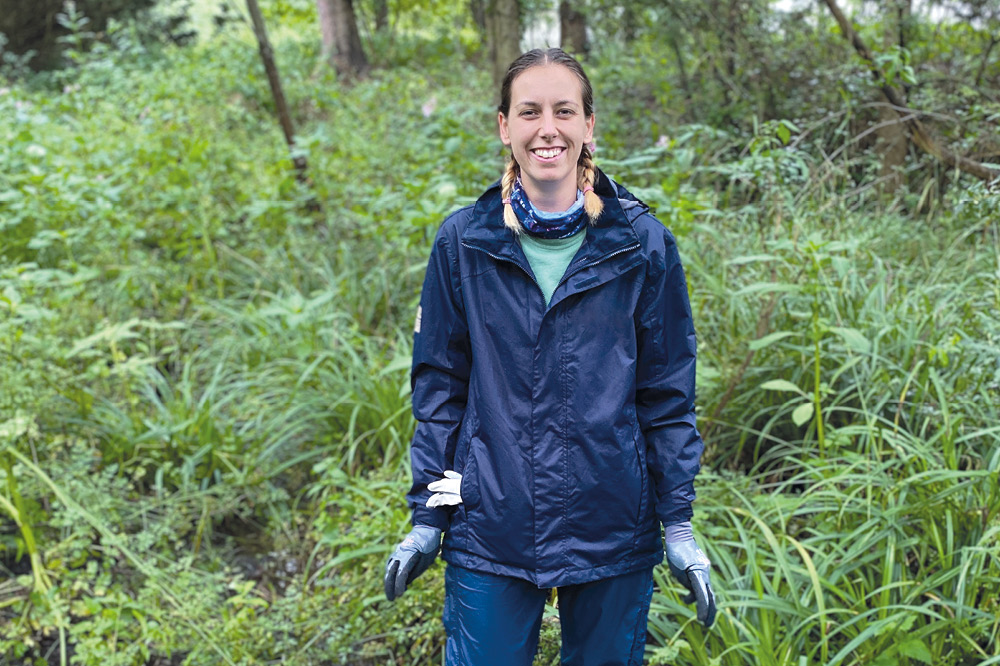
204 397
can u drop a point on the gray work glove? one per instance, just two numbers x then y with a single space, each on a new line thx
411 558
691 568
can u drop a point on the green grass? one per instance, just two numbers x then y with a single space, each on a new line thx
204 400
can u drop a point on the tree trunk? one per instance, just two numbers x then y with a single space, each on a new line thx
30 25
324 11
682 70
267 55
341 40
904 16
381 15
893 142
503 33
573 28
478 10
284 117
629 22
994 40
908 117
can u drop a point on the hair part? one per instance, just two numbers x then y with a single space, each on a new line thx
537 58
586 171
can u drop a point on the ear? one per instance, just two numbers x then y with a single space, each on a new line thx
590 128
504 132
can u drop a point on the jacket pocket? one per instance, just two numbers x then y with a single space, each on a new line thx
470 478
641 506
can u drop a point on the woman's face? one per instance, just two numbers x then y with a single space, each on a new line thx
546 130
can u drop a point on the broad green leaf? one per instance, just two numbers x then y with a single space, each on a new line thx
916 649
784 134
781 385
770 339
13 428
803 413
853 338
396 365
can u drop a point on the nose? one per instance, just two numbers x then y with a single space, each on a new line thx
548 126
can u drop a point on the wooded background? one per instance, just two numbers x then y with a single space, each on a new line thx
214 222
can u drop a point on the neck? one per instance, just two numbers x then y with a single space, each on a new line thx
555 198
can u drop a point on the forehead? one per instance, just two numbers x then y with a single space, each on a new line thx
546 83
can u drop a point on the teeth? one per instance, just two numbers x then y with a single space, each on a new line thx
552 152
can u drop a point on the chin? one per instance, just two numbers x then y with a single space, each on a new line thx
547 177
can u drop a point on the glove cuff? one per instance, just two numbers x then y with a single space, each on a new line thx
426 538
677 532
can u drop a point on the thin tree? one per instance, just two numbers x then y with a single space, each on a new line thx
342 48
918 133
284 117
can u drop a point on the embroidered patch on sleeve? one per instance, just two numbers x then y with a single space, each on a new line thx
416 326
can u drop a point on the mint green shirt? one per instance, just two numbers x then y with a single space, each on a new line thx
549 258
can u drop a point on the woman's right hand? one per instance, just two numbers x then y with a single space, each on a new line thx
413 556
691 568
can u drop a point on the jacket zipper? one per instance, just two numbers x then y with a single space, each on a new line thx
508 260
594 263
565 277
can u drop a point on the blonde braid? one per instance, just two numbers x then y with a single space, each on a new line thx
586 175
506 187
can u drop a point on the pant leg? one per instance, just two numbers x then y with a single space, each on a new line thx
604 622
490 620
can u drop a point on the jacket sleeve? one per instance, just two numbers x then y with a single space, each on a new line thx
665 382
439 379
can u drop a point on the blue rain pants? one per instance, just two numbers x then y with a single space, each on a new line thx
494 620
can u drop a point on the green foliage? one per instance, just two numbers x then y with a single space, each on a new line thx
204 401
49 34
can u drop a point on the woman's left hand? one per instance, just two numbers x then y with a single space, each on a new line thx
691 568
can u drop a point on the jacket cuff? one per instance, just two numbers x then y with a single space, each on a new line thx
438 517
677 514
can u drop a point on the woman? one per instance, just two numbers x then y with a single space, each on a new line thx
553 385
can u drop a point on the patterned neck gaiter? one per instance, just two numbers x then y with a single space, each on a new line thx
547 225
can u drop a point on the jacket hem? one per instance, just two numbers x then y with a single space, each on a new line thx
549 579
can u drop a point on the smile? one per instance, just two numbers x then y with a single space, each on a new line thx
547 154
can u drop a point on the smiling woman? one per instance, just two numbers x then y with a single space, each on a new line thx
554 394
546 124
548 133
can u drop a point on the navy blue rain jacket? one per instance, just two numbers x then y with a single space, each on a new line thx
572 423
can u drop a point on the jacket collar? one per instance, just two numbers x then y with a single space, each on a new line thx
613 231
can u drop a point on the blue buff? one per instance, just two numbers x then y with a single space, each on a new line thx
547 225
